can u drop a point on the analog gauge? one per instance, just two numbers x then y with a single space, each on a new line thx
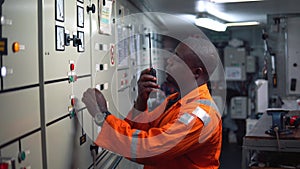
60 38
80 16
80 48
60 10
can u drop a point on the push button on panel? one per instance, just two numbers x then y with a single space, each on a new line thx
16 47
3 71
22 155
72 111
28 167
72 77
73 101
72 66
4 166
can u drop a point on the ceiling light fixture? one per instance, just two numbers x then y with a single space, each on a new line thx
233 1
242 23
208 21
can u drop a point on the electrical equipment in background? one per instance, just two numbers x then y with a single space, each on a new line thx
273 68
293 57
7 163
250 64
235 64
262 98
238 107
250 123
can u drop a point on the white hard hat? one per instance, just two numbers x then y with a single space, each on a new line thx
205 50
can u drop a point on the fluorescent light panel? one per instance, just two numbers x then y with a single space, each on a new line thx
233 1
210 24
242 23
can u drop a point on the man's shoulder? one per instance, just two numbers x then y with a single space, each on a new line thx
207 105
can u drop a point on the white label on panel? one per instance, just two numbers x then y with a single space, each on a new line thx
98 87
105 66
233 73
105 86
97 67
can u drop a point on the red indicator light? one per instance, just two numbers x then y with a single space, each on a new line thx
3 166
72 66
73 101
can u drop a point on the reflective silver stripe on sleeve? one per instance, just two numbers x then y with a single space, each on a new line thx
202 115
208 103
134 143
186 118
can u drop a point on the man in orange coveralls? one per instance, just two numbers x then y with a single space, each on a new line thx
184 132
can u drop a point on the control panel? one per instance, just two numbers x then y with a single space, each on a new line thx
52 51
293 57
235 64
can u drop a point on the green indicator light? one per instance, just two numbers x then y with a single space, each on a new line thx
71 79
72 113
23 155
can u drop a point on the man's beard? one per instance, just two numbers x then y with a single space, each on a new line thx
172 82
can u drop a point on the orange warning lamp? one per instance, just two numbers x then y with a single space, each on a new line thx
16 47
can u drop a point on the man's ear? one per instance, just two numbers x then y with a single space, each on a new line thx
198 72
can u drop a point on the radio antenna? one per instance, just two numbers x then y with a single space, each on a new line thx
152 71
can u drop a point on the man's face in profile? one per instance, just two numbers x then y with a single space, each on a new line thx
178 67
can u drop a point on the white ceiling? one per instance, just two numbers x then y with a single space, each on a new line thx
231 12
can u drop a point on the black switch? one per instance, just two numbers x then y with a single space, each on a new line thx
3 46
82 139
293 84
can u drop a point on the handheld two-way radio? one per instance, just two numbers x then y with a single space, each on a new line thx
152 70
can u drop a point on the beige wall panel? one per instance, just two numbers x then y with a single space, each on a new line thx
19 113
79 87
63 148
22 66
31 145
57 100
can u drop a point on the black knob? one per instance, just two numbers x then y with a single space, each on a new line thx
94 148
91 8
76 42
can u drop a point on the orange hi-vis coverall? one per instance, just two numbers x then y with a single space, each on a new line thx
188 135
